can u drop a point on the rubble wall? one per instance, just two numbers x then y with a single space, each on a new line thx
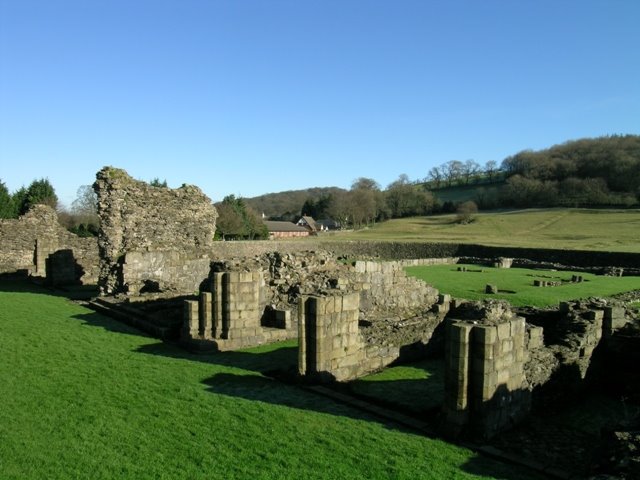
151 237
380 250
27 242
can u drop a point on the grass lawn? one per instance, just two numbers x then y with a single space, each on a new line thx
562 228
84 396
516 284
416 387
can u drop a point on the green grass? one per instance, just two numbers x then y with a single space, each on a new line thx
84 396
417 387
577 229
519 281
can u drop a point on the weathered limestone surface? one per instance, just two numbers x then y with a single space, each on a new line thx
486 390
231 316
388 290
259 300
27 242
331 346
151 238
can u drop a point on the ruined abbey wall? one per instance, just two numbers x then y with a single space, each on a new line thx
27 243
152 238
261 299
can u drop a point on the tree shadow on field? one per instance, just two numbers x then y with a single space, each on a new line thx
246 375
20 284
256 385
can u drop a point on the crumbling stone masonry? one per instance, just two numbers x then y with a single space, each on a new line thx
231 317
258 300
27 242
485 385
152 238
330 344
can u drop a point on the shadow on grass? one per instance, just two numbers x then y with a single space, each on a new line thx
251 385
95 319
23 285
416 395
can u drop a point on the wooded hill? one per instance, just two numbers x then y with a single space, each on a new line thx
589 172
286 205
586 172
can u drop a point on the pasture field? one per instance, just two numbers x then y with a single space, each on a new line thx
516 284
562 228
84 396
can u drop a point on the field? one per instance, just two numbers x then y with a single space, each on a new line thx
516 284
84 396
586 229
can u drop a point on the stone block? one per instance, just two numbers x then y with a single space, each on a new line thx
515 382
503 376
504 330
614 319
518 326
457 367
232 277
484 386
506 346
565 307
206 315
351 302
444 298
457 350
482 366
246 288
491 289
459 332
594 315
484 334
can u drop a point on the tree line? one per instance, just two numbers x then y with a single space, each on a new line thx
456 172
594 172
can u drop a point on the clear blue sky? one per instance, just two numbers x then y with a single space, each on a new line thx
249 97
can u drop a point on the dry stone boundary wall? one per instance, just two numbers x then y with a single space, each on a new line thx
378 250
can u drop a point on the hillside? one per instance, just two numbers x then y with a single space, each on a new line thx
579 229
589 172
288 205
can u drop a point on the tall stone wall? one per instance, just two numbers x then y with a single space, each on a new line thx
27 242
151 238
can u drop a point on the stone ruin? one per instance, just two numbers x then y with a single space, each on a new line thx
375 309
350 317
151 238
37 245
